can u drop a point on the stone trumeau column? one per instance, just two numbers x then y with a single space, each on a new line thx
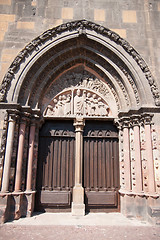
8 152
78 206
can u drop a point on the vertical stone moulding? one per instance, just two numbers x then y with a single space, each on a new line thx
149 154
8 154
156 159
138 158
5 196
144 161
3 145
127 159
31 168
132 159
121 156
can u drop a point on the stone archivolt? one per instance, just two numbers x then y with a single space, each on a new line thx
81 27
77 102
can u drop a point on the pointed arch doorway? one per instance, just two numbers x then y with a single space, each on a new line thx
108 71
78 155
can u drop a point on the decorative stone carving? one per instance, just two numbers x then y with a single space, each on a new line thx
144 160
156 157
77 102
80 26
121 148
79 78
85 80
135 90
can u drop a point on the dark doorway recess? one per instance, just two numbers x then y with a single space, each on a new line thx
55 170
101 166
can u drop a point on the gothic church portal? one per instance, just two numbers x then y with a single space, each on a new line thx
80 110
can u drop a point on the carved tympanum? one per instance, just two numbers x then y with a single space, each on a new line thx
77 102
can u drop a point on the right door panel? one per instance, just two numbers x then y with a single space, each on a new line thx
101 166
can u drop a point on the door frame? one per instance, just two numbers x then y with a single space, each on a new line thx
78 206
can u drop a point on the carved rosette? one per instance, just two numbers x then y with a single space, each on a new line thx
77 102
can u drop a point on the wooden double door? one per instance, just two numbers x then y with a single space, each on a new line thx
56 166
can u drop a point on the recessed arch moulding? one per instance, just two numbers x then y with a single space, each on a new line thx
102 52
82 62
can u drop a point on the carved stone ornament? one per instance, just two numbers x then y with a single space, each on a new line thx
81 80
77 102
80 26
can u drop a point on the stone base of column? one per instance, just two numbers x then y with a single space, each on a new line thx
4 207
30 196
78 206
18 198
78 209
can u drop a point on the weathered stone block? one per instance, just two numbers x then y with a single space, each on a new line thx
7 18
2 33
25 25
129 16
3 26
5 2
99 15
67 13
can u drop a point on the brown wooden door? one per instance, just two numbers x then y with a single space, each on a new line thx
55 176
101 166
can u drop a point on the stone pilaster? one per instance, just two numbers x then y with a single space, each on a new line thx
18 195
149 154
5 196
20 155
30 156
32 163
137 151
127 163
78 206
8 152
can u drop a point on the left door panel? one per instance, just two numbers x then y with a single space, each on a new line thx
55 170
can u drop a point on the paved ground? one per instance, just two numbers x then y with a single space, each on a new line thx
66 227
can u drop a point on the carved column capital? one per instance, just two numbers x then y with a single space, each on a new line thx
135 120
79 124
13 115
147 118
25 117
36 120
124 122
